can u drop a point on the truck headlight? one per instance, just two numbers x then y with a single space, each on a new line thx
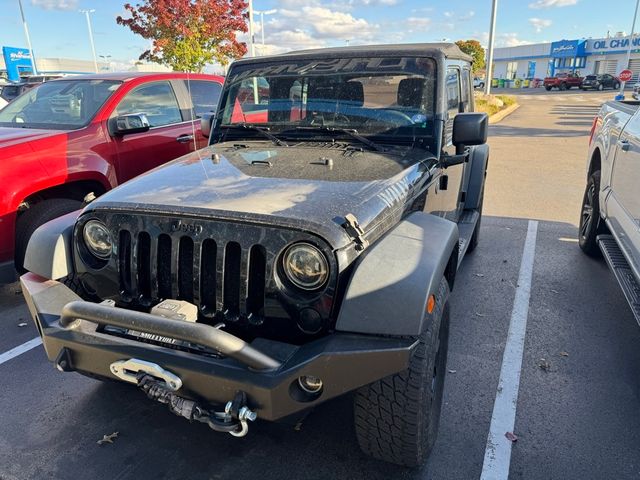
97 239
305 266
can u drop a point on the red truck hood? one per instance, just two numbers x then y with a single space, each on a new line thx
12 136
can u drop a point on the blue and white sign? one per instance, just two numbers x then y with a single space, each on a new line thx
604 44
568 48
17 62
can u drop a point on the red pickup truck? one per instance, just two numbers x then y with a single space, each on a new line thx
563 81
81 136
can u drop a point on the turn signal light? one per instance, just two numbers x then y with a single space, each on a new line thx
431 303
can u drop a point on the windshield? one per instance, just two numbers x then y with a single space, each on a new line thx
376 97
60 105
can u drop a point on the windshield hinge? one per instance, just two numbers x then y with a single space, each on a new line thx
355 231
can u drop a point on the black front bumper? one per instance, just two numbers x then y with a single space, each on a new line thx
267 371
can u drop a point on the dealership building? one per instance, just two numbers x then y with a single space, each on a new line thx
583 56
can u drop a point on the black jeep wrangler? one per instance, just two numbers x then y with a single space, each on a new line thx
307 253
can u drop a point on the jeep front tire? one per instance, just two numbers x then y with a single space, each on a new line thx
396 418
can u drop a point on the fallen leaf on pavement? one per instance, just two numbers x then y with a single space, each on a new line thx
512 437
479 274
480 314
564 354
23 324
452 371
554 291
108 438
544 364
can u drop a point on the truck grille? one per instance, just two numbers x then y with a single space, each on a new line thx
218 276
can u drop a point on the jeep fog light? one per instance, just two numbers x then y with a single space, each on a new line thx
97 239
310 384
305 266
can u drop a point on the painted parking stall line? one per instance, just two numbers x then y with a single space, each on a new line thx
497 455
20 349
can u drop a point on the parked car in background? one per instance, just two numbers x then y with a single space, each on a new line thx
478 83
86 134
12 91
600 82
563 81
610 218
636 91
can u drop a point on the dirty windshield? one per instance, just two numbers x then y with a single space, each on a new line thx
62 104
376 97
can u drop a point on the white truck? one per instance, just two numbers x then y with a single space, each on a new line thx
610 215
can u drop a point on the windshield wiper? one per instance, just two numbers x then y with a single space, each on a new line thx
264 131
351 132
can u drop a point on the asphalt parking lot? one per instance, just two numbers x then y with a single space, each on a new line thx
576 414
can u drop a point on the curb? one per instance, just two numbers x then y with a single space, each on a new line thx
495 118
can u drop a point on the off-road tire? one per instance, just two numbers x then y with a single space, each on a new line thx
591 224
38 215
396 418
548 89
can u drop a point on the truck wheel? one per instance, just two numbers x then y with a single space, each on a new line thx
396 418
547 88
591 225
563 86
37 215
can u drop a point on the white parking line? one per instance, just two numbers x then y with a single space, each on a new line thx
20 349
497 455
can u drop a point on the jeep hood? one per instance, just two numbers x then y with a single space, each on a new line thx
309 188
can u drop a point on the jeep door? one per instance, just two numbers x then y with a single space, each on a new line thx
170 135
458 99
623 204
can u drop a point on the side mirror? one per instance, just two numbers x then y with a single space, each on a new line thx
131 123
206 121
470 129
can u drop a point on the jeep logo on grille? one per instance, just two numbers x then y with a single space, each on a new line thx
193 228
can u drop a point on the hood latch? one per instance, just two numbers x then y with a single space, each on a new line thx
355 231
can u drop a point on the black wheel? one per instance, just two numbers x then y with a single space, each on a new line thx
591 225
616 86
481 85
37 215
548 89
396 418
600 87
563 86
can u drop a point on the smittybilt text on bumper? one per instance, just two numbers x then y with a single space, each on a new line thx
266 371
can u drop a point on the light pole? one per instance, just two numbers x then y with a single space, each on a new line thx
34 70
93 47
626 62
262 13
252 48
492 34
106 59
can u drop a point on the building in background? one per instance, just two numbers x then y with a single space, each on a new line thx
16 63
583 56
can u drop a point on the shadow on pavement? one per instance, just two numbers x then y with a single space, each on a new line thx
512 131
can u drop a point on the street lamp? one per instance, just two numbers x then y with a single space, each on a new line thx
34 70
106 59
93 47
262 13
492 34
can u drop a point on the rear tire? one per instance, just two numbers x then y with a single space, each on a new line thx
563 86
591 224
396 418
548 89
38 215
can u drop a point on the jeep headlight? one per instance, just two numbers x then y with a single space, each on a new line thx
305 266
97 239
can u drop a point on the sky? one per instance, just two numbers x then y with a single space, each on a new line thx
58 29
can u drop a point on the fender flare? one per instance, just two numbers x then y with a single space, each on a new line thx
391 283
49 252
479 161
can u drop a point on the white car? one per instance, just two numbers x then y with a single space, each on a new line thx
478 82
636 91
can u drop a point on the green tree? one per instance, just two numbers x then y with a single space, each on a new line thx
188 34
473 48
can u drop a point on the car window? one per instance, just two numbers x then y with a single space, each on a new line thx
466 90
204 95
453 92
156 100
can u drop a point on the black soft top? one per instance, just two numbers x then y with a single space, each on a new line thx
434 50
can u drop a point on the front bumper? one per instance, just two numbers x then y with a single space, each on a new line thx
267 371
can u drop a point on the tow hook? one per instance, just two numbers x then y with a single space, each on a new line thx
234 420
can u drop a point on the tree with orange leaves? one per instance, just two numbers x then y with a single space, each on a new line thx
188 34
